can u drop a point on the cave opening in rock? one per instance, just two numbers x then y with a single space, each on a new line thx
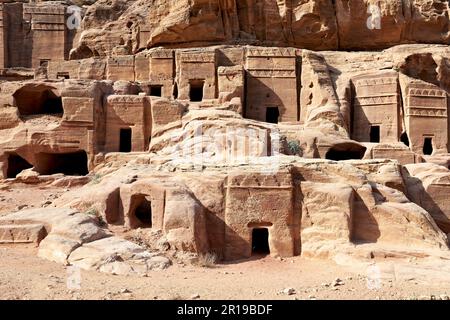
156 90
70 164
82 52
196 90
375 134
125 140
260 241
272 114
38 100
404 138
141 217
428 146
342 155
346 151
16 164
421 66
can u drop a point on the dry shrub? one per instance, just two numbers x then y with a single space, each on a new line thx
207 260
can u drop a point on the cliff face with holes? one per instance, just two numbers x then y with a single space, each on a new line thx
210 124
126 27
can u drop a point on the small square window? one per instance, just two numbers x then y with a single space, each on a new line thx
156 90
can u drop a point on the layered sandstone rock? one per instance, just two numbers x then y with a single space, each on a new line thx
127 27
204 132
76 238
319 25
428 185
219 128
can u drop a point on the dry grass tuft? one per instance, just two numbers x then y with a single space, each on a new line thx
207 260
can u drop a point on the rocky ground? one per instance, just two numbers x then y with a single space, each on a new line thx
19 196
25 276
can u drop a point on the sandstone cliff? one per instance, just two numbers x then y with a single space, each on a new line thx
125 27
201 123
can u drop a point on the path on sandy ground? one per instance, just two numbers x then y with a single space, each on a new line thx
25 276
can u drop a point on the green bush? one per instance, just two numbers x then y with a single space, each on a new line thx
294 147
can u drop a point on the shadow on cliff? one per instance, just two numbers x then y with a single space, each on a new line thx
365 228
261 95
417 193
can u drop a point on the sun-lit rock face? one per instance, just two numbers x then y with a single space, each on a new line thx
104 28
128 26
223 127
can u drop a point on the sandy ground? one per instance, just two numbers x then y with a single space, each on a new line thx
18 196
25 276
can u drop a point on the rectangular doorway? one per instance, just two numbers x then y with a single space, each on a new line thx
196 90
125 140
272 114
260 241
428 146
375 134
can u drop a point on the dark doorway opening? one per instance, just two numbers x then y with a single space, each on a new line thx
52 104
125 140
156 90
260 241
346 152
272 114
175 91
428 146
142 217
70 164
375 134
404 138
16 164
196 90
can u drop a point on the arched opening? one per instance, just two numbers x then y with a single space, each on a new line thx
125 143
70 164
196 90
272 114
141 215
82 52
260 241
16 164
428 146
38 100
346 151
421 66
404 138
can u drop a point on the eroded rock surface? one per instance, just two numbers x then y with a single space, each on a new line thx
222 129
317 24
77 239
